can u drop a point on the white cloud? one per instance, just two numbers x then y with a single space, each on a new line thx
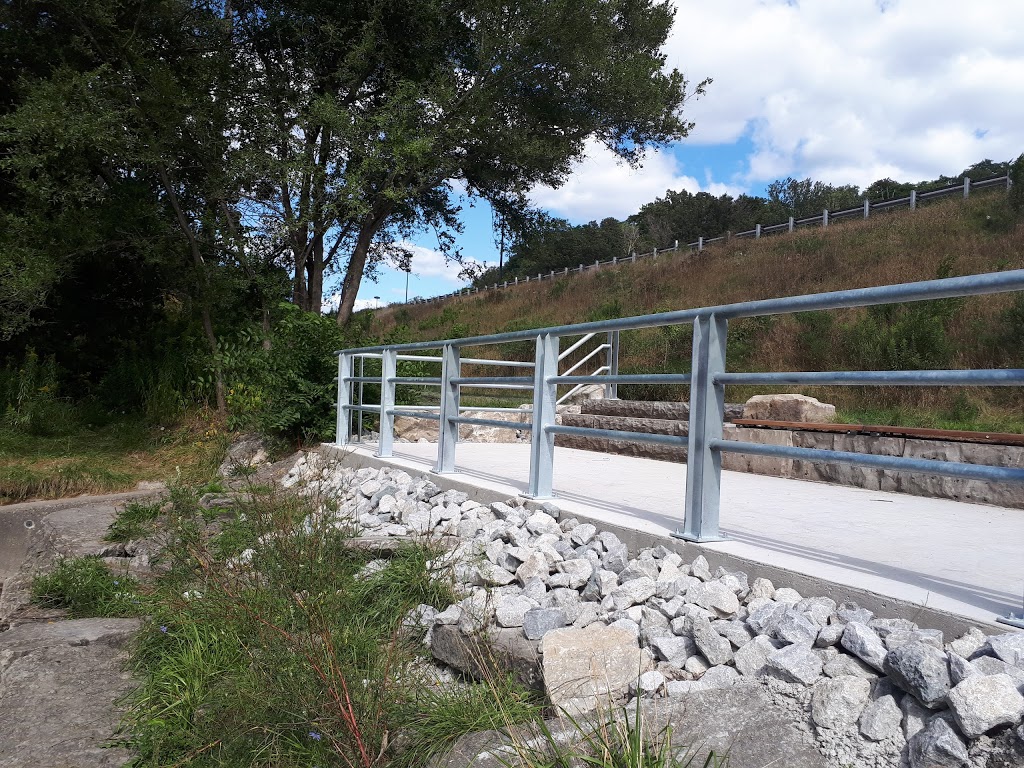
601 186
850 92
428 263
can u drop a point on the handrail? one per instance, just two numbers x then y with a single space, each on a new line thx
707 381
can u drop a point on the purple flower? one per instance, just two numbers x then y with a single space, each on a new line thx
163 628
116 582
315 736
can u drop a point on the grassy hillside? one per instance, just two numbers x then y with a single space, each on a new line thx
949 238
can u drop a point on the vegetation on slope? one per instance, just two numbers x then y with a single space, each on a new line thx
983 234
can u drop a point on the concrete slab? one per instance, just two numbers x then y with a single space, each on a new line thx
947 557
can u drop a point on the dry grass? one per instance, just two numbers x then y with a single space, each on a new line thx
107 459
979 235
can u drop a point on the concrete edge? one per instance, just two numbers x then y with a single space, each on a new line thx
951 624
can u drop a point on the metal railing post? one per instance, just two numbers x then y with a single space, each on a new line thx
344 399
707 412
360 400
542 442
790 223
448 428
388 370
867 209
824 218
967 187
611 391
757 231
913 199
700 244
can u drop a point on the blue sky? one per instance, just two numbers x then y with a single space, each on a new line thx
845 92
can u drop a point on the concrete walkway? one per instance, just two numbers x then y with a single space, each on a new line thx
965 559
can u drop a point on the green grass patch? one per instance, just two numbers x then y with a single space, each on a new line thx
103 458
134 520
86 587
268 645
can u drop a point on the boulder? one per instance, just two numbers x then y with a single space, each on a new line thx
715 596
591 667
864 643
838 702
537 622
715 648
789 408
494 652
922 670
937 745
795 664
750 659
983 702
881 719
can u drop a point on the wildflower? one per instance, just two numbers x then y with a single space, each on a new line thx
315 736
116 582
163 628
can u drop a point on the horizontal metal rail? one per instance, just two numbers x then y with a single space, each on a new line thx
367 408
894 463
926 290
422 381
492 381
615 434
414 414
494 423
626 378
1000 377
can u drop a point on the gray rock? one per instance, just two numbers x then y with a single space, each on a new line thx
968 643
787 596
633 593
511 611
673 649
449 615
584 668
735 632
914 716
862 641
829 635
616 558
937 746
492 575
795 664
537 622
600 585
920 670
628 625
883 627
648 684
578 571
699 568
1008 647
500 651
849 665
765 618
848 612
981 703
881 719
719 677
795 627
697 665
583 534
714 596
715 648
750 660
990 665
838 702
535 566
761 588
638 569
959 668
535 588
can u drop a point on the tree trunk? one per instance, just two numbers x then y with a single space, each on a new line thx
218 372
315 282
354 274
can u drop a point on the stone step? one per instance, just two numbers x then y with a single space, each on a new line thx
651 426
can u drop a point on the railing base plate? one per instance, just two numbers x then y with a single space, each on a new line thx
1013 620
698 539
547 497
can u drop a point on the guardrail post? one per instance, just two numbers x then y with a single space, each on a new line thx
545 395
913 199
611 391
676 246
344 400
867 209
700 244
824 218
448 429
360 400
388 370
967 187
790 223
632 256
757 231
707 412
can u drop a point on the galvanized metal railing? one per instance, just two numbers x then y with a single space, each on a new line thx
707 381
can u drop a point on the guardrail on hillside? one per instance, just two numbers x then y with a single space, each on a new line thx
823 220
707 382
